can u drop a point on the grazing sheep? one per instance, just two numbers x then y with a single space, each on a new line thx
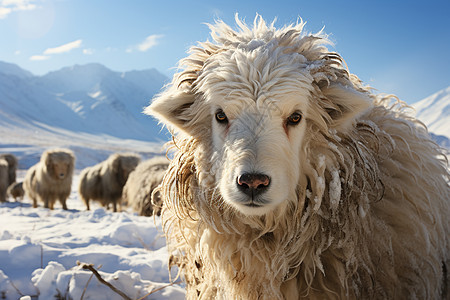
104 182
51 178
292 179
4 179
12 166
16 191
138 190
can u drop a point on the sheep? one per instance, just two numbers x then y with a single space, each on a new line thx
16 191
104 182
12 166
291 179
51 178
4 179
138 190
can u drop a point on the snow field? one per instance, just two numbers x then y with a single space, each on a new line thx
40 248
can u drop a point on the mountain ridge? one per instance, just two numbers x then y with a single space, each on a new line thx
434 111
88 98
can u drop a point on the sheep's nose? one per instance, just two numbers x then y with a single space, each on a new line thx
253 184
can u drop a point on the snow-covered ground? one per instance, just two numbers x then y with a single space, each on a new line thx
40 248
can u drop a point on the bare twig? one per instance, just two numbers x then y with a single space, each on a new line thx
87 283
85 288
14 286
19 292
158 289
42 256
91 268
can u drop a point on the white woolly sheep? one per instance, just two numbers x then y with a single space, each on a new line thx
291 179
51 178
138 191
104 182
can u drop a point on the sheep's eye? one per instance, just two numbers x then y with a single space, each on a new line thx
221 117
294 119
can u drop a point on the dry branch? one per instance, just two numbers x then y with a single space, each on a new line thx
158 289
91 268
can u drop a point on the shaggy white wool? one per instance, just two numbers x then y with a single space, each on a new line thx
356 200
104 181
142 181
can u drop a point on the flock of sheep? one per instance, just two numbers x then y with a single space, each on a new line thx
120 180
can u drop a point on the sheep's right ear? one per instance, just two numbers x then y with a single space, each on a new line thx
172 108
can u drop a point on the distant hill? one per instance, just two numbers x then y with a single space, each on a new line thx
88 98
15 70
434 111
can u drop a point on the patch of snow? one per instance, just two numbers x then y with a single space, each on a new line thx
335 189
40 248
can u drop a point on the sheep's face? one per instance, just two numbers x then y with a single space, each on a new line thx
61 169
254 108
258 127
256 148
122 166
126 170
59 165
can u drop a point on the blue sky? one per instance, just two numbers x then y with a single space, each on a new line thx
399 47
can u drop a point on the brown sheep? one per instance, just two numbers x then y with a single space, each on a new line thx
3 179
140 185
104 182
16 191
51 178
12 166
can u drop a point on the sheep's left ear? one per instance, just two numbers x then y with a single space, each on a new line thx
348 105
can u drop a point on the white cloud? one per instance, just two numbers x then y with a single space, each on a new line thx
64 48
9 6
149 42
4 12
39 57
17 52
88 51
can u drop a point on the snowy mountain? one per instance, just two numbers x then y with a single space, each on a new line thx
89 98
89 108
434 111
